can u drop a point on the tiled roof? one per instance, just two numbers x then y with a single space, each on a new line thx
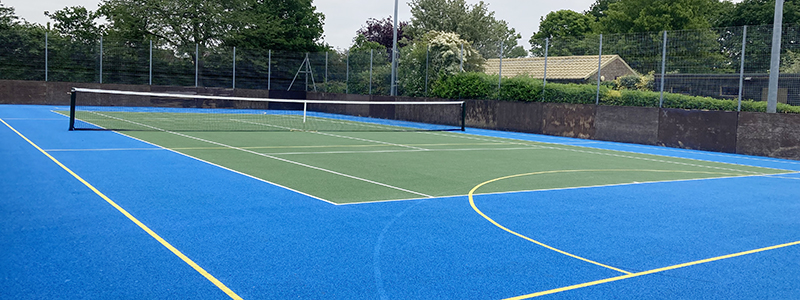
558 67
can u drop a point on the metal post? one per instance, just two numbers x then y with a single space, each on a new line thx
741 68
151 64
101 59
500 71
347 74
233 85
663 67
393 87
72 99
46 38
427 64
196 64
370 71
308 69
544 77
775 58
461 57
599 65
269 71
326 71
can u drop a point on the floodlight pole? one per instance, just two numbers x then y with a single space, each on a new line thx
393 89
775 58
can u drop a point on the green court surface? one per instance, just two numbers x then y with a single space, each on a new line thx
348 165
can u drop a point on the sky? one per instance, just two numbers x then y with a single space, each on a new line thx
344 17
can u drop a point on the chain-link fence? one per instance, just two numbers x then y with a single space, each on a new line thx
721 63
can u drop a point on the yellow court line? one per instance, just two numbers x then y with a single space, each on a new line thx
582 285
163 242
474 207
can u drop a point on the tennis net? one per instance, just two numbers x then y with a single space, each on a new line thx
96 109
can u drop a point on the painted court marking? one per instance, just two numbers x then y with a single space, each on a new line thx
612 279
141 225
272 157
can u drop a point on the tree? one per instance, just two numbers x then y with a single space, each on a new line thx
382 32
8 18
77 23
432 56
758 12
562 25
473 23
627 16
599 8
290 25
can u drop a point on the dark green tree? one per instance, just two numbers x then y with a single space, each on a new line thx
566 31
77 23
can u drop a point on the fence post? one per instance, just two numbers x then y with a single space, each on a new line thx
544 77
663 71
196 64
233 85
150 76
46 39
741 68
500 71
269 71
370 71
461 57
347 74
775 58
599 65
101 59
326 71
427 64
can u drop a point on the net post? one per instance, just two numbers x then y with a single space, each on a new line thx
463 116
72 98
305 106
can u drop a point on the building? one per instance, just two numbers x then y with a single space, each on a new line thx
563 69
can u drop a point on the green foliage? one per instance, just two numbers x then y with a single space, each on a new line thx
77 23
433 56
566 30
523 88
627 16
756 12
474 23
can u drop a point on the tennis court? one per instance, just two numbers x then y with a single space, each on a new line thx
158 204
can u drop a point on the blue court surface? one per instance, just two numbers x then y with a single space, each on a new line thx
101 215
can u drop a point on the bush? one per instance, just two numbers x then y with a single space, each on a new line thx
525 88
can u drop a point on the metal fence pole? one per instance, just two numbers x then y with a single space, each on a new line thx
347 74
599 65
663 68
46 38
196 65
741 68
461 57
544 77
326 71
233 84
269 71
500 71
101 59
151 64
370 71
427 64
775 58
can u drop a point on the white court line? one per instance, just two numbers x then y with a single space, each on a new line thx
405 151
272 157
333 135
107 149
631 157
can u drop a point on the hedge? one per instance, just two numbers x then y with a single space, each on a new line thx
523 88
